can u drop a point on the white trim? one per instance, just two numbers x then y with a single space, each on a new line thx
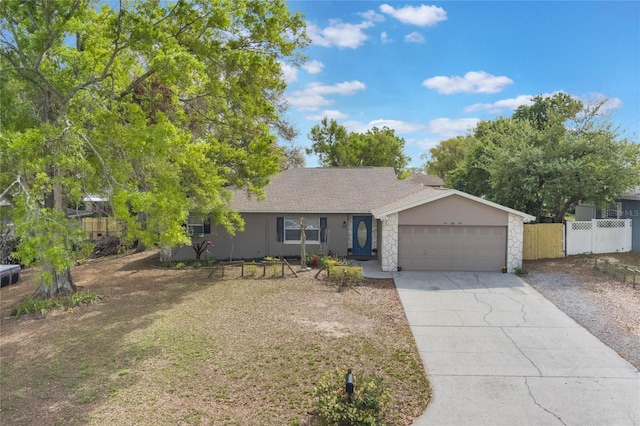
448 193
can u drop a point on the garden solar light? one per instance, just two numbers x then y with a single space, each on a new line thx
349 383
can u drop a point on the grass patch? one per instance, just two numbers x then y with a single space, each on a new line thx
174 346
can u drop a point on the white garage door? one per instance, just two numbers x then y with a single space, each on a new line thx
452 248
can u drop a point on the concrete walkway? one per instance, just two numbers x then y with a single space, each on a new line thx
498 353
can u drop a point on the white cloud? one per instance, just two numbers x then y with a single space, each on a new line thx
384 38
472 82
372 16
339 34
313 96
501 105
313 67
449 128
414 37
400 127
609 105
422 15
425 144
329 113
290 73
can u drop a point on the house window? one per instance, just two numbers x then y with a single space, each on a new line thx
289 229
197 226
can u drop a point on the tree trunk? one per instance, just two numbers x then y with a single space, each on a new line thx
140 247
61 284
559 218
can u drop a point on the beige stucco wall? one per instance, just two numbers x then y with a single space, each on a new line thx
454 210
259 239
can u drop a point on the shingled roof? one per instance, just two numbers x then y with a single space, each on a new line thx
327 190
632 194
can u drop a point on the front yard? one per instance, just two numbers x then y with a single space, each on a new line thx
172 346
609 308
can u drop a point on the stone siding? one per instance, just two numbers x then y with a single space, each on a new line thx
389 249
514 242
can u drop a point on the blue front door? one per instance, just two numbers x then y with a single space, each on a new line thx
361 235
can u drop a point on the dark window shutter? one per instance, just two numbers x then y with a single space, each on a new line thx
207 226
323 229
280 228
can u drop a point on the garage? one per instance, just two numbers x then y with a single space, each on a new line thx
452 247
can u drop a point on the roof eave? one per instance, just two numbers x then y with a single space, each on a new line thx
448 193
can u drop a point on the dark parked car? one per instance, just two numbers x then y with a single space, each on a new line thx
9 274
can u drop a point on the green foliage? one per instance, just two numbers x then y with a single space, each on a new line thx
520 271
180 265
158 106
250 269
338 273
367 406
35 305
547 157
447 156
336 147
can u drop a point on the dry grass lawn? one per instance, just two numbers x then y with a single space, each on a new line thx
179 347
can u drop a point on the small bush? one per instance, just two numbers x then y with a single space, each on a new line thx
211 261
250 269
367 405
520 271
353 273
79 298
180 265
34 305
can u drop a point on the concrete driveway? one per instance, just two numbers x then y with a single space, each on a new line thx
497 352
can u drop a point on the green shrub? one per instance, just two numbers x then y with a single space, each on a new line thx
180 265
353 273
79 298
250 269
211 261
367 405
520 271
34 305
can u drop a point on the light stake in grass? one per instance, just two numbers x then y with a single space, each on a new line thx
349 385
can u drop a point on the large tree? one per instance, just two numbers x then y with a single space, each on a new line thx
447 156
159 106
337 147
549 156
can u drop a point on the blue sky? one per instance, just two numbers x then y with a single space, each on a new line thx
432 70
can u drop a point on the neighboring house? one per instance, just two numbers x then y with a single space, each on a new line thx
626 206
367 213
427 180
6 219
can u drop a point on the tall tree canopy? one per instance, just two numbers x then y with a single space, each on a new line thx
156 105
447 156
548 156
336 147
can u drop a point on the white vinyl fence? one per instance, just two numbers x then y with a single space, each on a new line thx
599 236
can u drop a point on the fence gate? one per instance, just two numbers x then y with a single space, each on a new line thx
543 241
599 236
